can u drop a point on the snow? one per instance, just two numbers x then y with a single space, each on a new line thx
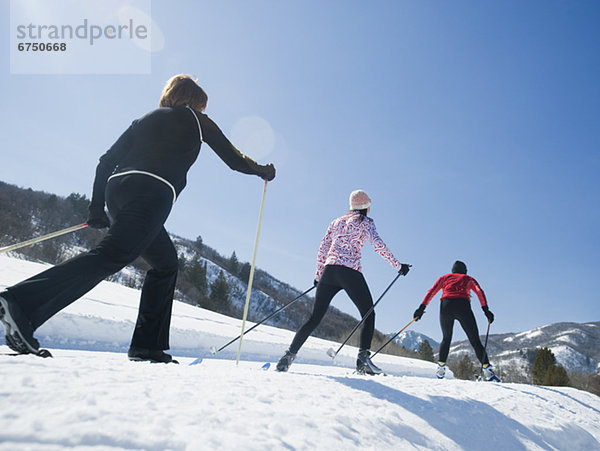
89 396
572 337
569 358
530 334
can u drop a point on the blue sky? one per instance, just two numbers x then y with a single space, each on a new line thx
474 127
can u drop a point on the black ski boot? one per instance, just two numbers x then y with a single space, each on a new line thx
364 365
18 329
136 354
285 361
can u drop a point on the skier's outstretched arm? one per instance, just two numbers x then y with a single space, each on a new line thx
380 247
482 300
231 156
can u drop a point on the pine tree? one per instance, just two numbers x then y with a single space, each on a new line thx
425 351
244 273
543 360
556 376
196 275
182 262
198 243
465 369
219 293
595 384
233 264
79 203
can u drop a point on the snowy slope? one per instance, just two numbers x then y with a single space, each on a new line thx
89 398
103 320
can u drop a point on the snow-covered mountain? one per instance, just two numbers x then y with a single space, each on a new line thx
412 340
89 396
576 347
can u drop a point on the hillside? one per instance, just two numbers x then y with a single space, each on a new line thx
89 396
575 346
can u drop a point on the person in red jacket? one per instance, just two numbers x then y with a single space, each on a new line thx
456 305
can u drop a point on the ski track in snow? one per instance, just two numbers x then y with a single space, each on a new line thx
89 398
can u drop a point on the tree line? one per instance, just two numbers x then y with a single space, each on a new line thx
544 370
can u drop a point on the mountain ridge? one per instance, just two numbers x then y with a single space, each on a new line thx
576 347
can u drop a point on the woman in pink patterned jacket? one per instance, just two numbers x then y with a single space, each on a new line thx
339 268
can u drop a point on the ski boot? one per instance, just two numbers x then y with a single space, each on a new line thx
285 361
18 329
136 354
488 373
364 365
441 370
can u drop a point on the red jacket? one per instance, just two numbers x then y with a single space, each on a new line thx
456 285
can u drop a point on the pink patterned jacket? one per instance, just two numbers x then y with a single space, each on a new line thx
344 240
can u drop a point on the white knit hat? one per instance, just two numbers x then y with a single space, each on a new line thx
359 200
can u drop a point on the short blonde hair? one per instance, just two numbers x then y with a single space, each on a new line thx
182 90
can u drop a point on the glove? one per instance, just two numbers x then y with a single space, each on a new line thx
419 312
489 315
97 218
404 269
315 282
266 172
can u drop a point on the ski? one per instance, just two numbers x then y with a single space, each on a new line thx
176 362
494 378
267 366
358 373
44 353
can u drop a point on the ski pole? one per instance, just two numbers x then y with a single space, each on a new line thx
391 339
251 278
485 345
215 350
330 352
39 239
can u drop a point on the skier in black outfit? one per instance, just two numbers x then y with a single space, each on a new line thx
139 179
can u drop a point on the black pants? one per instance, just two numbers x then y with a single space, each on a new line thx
138 205
459 309
334 279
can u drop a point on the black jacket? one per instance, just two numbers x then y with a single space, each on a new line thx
166 142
